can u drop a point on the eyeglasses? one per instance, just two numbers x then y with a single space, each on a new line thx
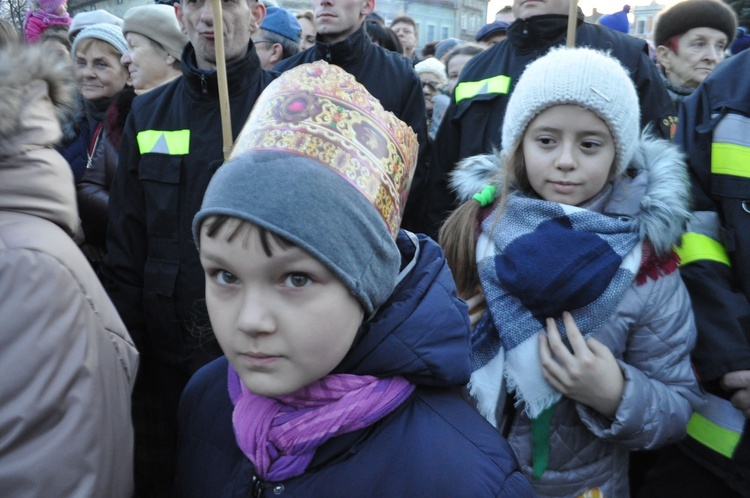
262 41
432 85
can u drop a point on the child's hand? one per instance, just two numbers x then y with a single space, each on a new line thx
589 375
477 305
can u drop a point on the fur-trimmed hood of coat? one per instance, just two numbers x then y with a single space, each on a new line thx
37 91
655 190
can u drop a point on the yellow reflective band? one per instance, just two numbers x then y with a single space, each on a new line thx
697 247
716 437
470 89
730 159
175 143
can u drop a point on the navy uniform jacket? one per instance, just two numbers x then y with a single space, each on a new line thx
434 444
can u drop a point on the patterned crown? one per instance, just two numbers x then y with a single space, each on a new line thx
318 111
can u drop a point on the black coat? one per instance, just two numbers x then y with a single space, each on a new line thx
473 123
391 79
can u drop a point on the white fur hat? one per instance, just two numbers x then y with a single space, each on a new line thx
582 76
433 66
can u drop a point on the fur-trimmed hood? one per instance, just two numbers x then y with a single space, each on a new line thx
655 190
37 91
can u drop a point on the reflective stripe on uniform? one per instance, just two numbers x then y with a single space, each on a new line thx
470 89
175 143
730 150
717 425
696 247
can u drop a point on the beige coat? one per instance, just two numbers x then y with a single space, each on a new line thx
68 362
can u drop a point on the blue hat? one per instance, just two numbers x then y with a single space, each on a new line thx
490 29
282 22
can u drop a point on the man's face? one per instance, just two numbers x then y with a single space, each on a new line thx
523 9
240 18
406 35
336 20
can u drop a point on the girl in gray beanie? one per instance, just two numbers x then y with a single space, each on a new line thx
566 237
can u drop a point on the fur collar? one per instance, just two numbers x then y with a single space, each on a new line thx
661 208
20 66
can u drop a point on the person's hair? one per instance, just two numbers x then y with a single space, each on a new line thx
56 35
383 36
288 46
458 235
107 48
8 33
470 49
505 10
239 227
306 15
429 49
673 44
406 20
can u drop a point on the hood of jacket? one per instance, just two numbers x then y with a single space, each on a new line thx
37 95
655 191
422 331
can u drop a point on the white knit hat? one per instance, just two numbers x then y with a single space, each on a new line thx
432 66
105 32
582 76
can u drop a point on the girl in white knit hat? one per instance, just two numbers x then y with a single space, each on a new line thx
566 237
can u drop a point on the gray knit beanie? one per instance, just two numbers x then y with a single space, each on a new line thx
105 32
581 76
159 23
321 164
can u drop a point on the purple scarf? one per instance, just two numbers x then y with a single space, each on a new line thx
280 435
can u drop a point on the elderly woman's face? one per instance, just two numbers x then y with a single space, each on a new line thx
149 66
699 50
431 86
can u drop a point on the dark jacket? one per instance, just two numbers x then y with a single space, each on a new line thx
473 121
93 188
434 444
391 79
718 115
170 149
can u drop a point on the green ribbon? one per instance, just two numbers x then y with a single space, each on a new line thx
540 430
486 196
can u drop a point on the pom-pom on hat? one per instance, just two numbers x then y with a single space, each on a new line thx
105 32
432 66
320 163
684 16
51 6
598 83
282 22
159 23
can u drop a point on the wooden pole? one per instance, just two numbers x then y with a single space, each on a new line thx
221 71
572 23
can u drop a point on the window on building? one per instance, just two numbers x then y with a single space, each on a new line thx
640 27
464 21
444 33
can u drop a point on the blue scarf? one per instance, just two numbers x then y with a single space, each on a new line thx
542 258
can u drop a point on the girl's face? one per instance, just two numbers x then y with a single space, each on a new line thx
569 153
284 320
307 38
455 66
99 73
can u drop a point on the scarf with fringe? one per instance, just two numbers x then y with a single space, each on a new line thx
542 258
280 435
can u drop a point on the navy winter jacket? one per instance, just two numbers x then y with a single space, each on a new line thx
434 444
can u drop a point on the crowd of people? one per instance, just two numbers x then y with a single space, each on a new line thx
496 267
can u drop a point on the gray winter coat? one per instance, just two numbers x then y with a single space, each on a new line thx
651 334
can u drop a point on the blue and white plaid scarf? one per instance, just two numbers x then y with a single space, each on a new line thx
542 258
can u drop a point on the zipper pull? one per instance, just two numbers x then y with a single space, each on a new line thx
204 84
328 54
257 487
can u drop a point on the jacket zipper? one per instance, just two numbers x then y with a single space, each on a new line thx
256 487
204 84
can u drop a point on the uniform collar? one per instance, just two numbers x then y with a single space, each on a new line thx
241 74
347 52
539 31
